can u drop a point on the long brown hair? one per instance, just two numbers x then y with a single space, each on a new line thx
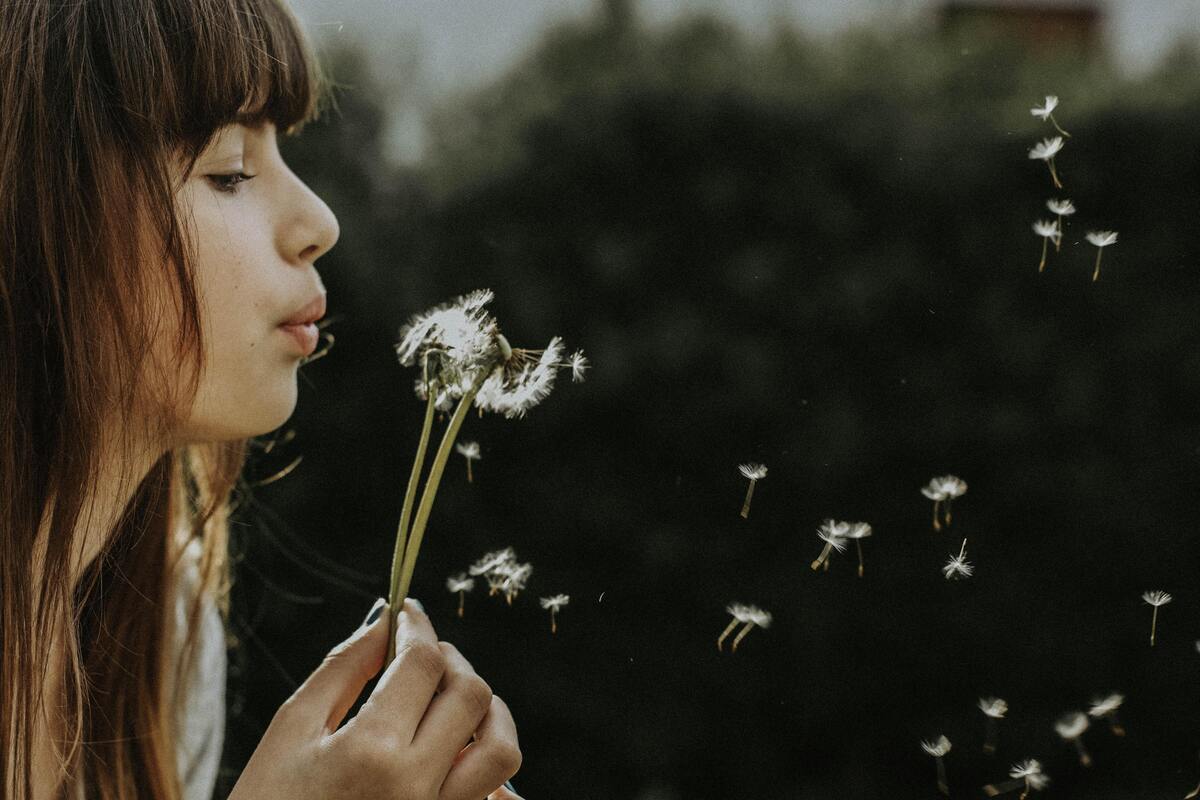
104 105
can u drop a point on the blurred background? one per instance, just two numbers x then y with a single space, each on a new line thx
791 232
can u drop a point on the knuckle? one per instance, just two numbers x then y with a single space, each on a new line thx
503 759
476 692
427 658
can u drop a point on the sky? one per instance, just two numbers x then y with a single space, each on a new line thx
422 49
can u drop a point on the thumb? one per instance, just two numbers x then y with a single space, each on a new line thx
336 683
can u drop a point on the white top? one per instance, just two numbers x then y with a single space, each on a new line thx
202 710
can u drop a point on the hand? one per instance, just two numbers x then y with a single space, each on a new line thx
504 793
431 729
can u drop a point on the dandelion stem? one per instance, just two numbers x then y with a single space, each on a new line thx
553 622
1084 758
948 501
858 544
1058 239
943 784
746 505
989 744
1042 263
997 789
1153 625
410 494
1096 273
462 596
728 630
1054 173
430 492
1115 724
1057 128
937 526
469 478
824 555
741 635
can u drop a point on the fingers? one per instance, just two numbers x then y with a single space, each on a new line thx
463 700
402 695
504 793
487 762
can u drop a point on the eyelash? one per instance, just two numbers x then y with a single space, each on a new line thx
217 181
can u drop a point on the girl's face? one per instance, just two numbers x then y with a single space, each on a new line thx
257 242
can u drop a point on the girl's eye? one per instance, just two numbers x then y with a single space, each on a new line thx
228 183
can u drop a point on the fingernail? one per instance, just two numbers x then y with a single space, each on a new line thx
417 603
376 611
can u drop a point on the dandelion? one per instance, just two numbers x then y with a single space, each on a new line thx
742 613
512 579
1106 708
1045 150
463 356
1101 239
993 708
958 566
939 749
462 584
1027 774
1155 599
858 531
1061 208
1071 727
1048 231
833 534
490 561
1046 113
554 604
469 451
754 472
943 489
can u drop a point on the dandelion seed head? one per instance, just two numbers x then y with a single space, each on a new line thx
579 365
858 530
1102 238
748 613
944 487
460 583
1071 726
457 339
1047 148
834 533
491 561
443 399
468 450
1031 771
958 567
938 748
994 707
1156 598
753 471
1060 207
522 381
1102 707
1043 112
556 602
1045 229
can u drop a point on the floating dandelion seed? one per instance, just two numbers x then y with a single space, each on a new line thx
1048 231
742 613
1101 239
1106 708
469 451
858 531
579 365
490 561
1062 208
513 579
943 489
554 604
1045 150
1027 774
754 472
1071 727
834 535
939 749
1046 113
462 584
1155 599
993 708
958 566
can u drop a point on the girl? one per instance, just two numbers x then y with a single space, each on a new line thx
157 274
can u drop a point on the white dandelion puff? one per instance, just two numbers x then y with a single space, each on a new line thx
943 489
834 534
469 451
579 365
743 614
958 566
554 604
1106 708
1156 599
490 561
1046 112
859 531
755 472
938 749
1046 150
1027 774
1101 239
1071 727
462 584
1048 231
994 709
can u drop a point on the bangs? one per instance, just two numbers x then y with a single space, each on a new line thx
237 61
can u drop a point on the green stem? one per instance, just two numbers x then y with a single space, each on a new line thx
410 495
431 486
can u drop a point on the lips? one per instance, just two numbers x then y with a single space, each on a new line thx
308 313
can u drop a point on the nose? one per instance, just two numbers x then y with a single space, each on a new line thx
312 228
